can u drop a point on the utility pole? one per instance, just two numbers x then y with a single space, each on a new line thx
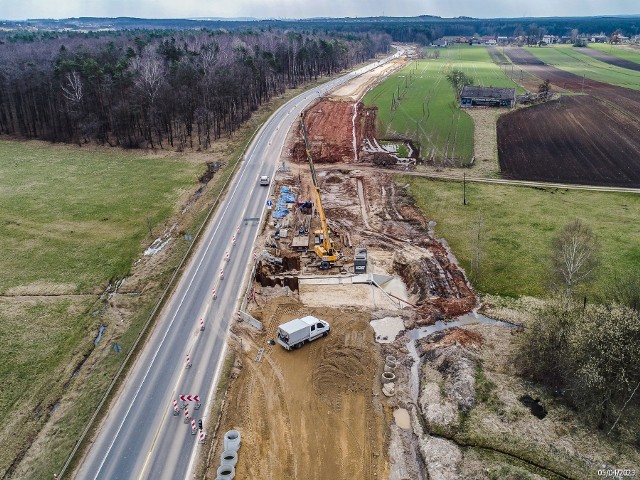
464 188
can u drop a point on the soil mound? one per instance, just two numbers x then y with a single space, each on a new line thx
345 365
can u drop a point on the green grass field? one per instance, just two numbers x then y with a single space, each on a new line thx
418 102
518 225
570 59
76 217
72 220
626 52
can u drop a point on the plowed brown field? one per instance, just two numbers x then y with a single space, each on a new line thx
579 139
590 139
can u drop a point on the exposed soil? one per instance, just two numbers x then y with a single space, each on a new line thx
578 139
330 130
319 412
592 139
313 413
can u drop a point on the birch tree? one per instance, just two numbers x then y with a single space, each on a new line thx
574 255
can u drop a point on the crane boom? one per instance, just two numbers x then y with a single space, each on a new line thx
325 250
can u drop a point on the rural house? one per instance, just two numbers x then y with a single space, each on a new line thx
487 97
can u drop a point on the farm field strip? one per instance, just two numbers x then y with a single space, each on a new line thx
621 51
419 102
570 59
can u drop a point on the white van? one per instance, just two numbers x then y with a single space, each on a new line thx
264 179
297 332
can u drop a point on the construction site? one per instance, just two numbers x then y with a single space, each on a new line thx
412 381
346 247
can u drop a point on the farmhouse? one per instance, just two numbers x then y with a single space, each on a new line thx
487 97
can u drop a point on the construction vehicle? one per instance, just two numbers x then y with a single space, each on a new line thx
323 246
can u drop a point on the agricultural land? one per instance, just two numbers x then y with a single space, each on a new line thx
414 381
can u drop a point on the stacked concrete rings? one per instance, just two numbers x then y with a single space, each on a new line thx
226 472
232 440
229 458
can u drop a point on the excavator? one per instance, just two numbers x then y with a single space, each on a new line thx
325 250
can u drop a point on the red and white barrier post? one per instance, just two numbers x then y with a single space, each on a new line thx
233 240
193 427
186 415
202 435
175 408
188 363
221 274
202 324
226 256
214 294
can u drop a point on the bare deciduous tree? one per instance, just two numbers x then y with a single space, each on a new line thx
574 254
72 90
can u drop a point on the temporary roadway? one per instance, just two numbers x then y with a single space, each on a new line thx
141 437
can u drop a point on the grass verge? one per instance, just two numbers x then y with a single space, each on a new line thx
502 237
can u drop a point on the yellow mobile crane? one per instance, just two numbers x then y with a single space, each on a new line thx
324 250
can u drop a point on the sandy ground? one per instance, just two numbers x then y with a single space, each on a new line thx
313 413
357 88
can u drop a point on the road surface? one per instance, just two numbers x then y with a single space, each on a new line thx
141 438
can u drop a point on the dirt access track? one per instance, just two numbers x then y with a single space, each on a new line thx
588 139
320 412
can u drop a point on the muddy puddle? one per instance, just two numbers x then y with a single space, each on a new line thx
387 328
402 419
461 321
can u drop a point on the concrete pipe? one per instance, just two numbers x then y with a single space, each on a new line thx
389 367
390 358
229 457
388 377
226 472
232 440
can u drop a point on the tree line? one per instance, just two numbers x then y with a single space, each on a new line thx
160 89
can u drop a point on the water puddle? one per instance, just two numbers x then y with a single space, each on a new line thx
387 328
467 319
100 332
402 419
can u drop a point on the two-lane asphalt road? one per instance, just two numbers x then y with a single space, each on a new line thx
141 438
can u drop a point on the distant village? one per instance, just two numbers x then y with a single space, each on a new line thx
578 40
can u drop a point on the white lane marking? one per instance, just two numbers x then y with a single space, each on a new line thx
207 406
202 314
228 202
133 401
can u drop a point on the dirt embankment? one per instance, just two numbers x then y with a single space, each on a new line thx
335 130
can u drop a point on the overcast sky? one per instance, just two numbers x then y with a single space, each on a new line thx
23 9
